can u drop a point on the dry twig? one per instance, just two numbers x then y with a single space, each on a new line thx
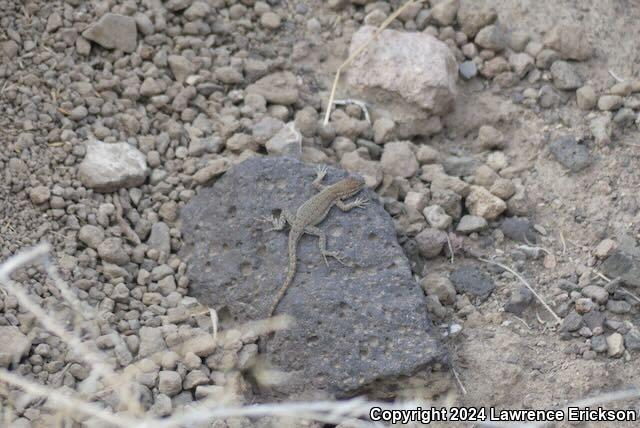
359 50
524 281
124 226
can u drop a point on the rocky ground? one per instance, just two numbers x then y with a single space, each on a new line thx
494 133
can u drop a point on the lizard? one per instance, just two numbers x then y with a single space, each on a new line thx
311 213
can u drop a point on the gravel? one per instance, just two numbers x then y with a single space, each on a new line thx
470 280
116 115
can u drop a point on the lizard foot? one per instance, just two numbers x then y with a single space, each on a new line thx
360 202
336 256
321 171
277 222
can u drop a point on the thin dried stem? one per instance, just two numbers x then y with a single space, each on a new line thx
66 401
23 258
524 281
458 381
126 229
359 50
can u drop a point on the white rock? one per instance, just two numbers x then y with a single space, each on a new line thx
286 142
109 167
497 160
437 217
180 67
481 202
410 76
14 345
604 248
615 345
416 200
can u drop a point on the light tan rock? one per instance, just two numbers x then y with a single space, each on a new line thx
409 77
481 202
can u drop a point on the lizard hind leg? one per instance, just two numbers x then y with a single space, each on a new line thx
322 244
278 223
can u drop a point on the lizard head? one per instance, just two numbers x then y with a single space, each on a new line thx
350 186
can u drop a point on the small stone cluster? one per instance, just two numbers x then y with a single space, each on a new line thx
592 306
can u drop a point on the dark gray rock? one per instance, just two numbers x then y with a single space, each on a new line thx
593 319
570 153
412 251
469 279
431 242
571 322
623 266
519 229
624 117
632 339
471 223
548 97
599 343
519 301
459 166
353 325
628 245
160 238
618 306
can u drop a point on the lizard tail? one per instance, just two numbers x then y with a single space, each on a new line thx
293 243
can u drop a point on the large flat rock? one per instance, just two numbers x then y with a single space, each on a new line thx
353 325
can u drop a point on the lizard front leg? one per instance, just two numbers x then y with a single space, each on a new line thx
321 172
357 203
322 244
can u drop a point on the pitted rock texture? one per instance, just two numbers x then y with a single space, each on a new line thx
353 325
